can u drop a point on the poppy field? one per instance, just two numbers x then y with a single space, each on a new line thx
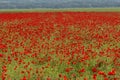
60 46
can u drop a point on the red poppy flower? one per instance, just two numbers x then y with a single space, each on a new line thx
1 55
112 72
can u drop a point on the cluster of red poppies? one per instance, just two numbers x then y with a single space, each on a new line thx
60 45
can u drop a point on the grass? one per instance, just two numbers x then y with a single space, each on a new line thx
112 9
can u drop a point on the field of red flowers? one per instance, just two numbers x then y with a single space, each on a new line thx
60 46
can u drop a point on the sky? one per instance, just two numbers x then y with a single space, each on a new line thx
58 3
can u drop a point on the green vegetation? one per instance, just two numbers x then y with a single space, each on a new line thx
117 9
